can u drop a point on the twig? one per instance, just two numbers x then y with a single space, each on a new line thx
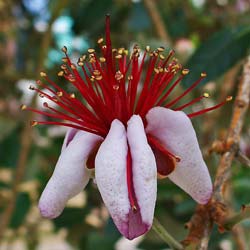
26 139
230 222
157 21
242 158
170 240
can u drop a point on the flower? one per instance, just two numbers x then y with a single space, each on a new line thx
128 136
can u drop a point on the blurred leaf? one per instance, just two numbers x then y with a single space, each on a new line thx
9 148
22 207
220 52
106 239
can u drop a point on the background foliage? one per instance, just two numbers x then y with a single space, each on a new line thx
211 36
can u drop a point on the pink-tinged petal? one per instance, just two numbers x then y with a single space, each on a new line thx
110 173
143 168
175 131
70 134
70 175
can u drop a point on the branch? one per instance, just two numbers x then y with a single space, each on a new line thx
157 21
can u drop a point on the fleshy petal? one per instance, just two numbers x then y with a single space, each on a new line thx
70 175
71 132
174 129
110 173
144 169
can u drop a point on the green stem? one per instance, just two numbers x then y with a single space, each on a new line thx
237 218
164 235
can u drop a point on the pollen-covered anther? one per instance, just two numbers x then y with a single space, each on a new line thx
121 51
100 40
161 49
60 73
72 96
206 95
65 59
157 71
96 72
98 78
229 98
79 63
203 74
118 56
134 208
102 59
147 48
162 57
64 49
185 71
33 123
91 51
59 93
130 77
43 74
23 107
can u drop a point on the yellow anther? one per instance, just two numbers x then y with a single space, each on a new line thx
43 74
125 52
60 73
83 57
72 96
104 46
102 59
121 50
98 78
160 49
33 123
100 40
65 59
130 78
206 95
64 49
147 48
59 93
162 57
185 71
229 98
91 51
203 74
118 75
23 107
80 63
118 56
96 72
156 70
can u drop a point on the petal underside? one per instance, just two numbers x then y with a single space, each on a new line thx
70 175
175 131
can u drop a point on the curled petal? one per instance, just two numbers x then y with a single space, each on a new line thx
70 175
143 168
110 173
70 134
174 129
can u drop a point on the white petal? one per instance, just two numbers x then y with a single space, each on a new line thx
144 169
110 173
70 134
174 129
70 175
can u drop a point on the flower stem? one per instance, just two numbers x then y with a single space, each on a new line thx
164 235
237 218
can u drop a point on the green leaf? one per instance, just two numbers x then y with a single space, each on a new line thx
218 54
22 208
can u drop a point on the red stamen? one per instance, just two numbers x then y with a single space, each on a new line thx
203 111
